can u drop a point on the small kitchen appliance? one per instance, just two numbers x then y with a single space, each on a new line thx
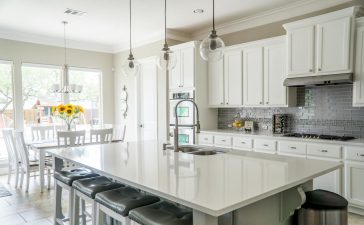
280 123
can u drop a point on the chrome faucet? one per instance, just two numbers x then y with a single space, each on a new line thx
198 127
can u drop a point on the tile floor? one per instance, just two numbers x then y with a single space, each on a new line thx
34 208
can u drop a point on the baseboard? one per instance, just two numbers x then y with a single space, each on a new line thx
356 210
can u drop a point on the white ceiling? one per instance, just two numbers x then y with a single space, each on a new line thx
106 25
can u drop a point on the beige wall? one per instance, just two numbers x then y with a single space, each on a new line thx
120 80
22 52
276 29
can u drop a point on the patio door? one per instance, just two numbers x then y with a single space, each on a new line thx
147 100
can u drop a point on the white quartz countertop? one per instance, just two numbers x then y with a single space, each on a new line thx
262 134
215 184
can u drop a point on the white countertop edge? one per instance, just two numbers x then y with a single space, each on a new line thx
214 213
355 142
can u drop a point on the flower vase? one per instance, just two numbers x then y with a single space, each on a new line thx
69 127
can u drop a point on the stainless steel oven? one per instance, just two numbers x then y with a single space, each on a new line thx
186 116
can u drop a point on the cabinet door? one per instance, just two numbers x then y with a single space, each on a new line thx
233 75
188 67
333 46
355 183
358 99
275 93
175 74
301 51
216 83
253 76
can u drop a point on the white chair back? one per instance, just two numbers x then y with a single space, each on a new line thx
22 149
40 133
10 146
119 132
71 138
101 135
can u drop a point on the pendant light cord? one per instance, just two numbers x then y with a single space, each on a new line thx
165 21
64 41
130 27
213 14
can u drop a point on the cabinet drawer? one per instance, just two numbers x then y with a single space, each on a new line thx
265 145
223 141
242 142
205 139
292 147
332 151
354 153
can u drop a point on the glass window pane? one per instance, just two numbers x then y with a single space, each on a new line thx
90 97
37 97
6 102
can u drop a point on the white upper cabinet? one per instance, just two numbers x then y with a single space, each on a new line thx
183 75
301 46
333 46
216 83
233 76
253 76
358 98
275 94
321 45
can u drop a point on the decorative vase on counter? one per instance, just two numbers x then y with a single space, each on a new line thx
69 113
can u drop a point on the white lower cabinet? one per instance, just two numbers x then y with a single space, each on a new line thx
355 183
205 139
292 148
264 145
243 143
222 141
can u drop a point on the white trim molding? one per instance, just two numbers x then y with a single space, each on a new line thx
289 11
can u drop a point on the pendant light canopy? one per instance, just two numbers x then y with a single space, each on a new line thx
130 66
66 86
211 48
167 58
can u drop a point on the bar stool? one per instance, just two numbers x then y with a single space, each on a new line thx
64 180
86 190
161 213
118 202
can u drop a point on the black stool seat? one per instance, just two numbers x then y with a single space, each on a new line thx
324 200
92 186
124 199
67 176
161 213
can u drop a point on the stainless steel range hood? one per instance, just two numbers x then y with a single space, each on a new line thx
335 79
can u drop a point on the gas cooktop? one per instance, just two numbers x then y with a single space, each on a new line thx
319 136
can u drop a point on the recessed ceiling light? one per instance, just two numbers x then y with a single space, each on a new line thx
74 12
198 11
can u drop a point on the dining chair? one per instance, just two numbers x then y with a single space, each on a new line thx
27 166
71 138
101 135
40 133
13 160
119 132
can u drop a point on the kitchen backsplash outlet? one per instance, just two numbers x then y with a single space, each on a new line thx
322 110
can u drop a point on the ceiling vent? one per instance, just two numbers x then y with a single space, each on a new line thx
74 12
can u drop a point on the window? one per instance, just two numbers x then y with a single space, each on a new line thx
37 97
6 102
90 97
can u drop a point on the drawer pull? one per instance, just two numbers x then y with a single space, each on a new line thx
323 150
265 145
223 140
360 155
243 142
293 147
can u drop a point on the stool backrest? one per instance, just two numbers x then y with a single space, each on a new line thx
40 133
22 149
101 135
71 138
10 146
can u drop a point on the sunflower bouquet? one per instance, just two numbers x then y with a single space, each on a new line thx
68 113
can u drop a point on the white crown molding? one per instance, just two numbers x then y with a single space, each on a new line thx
289 11
52 41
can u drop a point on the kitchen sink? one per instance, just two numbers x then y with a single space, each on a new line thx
197 150
204 152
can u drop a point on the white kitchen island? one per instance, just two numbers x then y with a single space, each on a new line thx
248 188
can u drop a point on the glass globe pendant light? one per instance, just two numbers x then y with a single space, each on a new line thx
211 48
130 66
167 58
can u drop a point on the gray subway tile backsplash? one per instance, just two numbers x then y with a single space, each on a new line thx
322 110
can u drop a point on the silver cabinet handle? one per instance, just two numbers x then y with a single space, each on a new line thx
293 147
223 140
243 142
227 103
360 155
261 103
319 69
267 103
311 70
265 145
323 150
221 103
